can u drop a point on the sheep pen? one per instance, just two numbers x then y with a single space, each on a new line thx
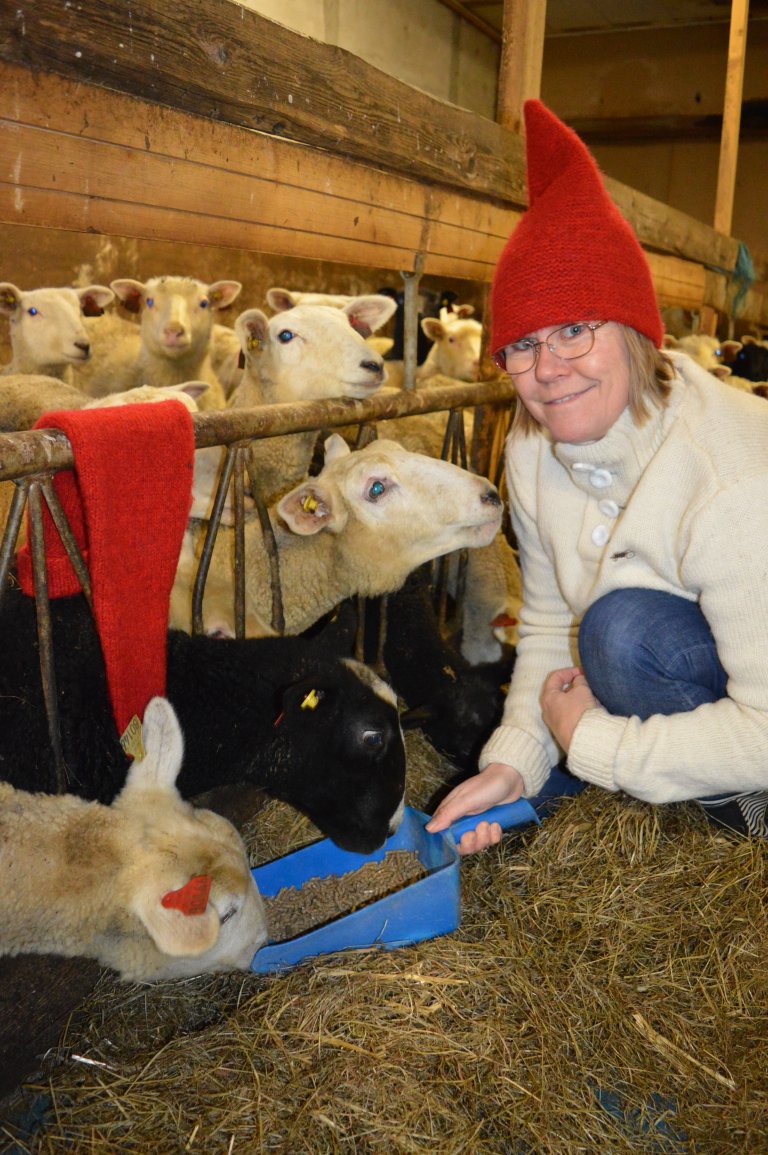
606 990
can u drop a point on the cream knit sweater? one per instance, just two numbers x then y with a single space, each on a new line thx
680 504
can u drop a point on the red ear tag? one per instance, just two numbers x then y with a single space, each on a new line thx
502 620
192 898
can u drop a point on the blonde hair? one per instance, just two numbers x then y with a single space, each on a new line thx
650 373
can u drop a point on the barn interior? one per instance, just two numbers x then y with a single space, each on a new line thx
605 988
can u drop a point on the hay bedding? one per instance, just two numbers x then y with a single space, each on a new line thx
606 992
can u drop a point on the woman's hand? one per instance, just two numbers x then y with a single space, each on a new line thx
564 699
493 786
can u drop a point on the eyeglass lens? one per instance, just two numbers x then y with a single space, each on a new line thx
570 341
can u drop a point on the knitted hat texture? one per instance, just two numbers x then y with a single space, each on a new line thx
127 501
573 256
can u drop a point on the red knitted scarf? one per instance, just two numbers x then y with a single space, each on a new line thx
127 501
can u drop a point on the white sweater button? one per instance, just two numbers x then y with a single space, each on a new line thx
608 508
600 534
600 478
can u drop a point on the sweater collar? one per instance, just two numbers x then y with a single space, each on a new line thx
619 459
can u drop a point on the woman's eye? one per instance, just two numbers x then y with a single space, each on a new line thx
375 490
523 346
573 331
285 335
150 302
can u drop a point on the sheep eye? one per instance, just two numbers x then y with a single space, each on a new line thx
375 490
374 739
204 303
32 311
150 302
285 335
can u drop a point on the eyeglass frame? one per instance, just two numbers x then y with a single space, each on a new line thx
500 358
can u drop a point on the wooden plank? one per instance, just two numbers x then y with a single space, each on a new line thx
269 197
682 283
729 141
522 54
228 64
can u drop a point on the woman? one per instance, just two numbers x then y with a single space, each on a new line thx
638 489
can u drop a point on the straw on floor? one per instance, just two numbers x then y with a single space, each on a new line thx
607 992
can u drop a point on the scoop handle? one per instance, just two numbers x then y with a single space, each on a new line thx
511 814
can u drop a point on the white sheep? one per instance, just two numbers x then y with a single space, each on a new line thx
149 886
455 352
359 527
47 331
709 352
311 353
173 345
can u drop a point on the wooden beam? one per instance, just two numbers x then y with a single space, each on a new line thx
228 65
522 52
84 159
226 62
729 144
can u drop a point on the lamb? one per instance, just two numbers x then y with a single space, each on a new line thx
455 351
315 353
751 360
149 886
359 527
173 341
287 715
712 354
456 704
48 335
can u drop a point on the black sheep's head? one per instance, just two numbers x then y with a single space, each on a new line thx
342 754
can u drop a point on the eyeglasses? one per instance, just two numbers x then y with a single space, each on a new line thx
568 343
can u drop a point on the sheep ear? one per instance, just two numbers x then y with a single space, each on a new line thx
669 341
252 328
335 447
173 932
193 389
369 313
10 298
310 508
163 749
280 299
221 294
94 300
464 311
433 328
130 293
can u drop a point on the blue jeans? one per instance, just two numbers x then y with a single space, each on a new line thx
643 652
646 652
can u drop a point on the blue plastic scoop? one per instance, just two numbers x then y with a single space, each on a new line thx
428 907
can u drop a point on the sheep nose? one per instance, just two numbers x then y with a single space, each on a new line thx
372 366
84 347
491 496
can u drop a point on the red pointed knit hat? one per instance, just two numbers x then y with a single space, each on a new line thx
573 256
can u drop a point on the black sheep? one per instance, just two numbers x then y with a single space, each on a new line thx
246 709
456 704
751 363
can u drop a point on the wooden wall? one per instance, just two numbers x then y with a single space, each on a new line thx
208 125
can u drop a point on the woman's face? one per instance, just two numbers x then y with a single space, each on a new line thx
577 400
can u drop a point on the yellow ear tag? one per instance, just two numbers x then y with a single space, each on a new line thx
309 503
131 741
254 343
312 701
